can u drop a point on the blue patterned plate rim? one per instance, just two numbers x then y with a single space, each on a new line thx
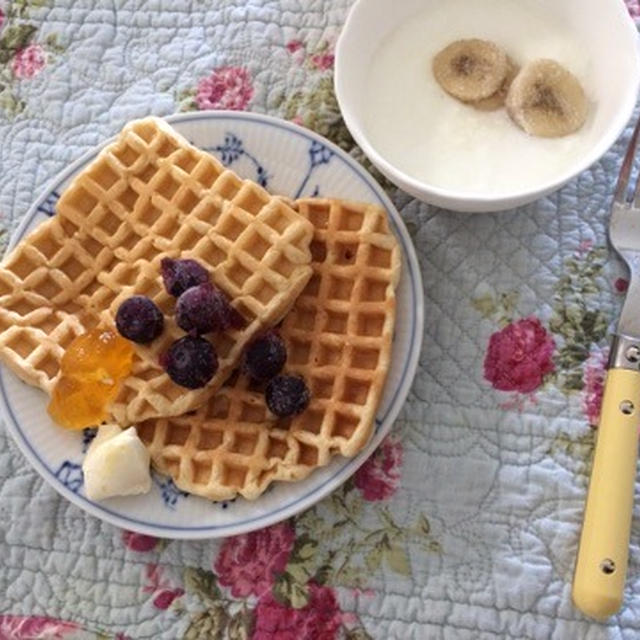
315 493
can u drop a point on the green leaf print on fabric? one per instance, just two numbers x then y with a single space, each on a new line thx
15 37
53 43
186 99
210 623
288 591
577 321
396 558
358 634
21 57
352 550
22 7
573 453
202 583
499 307
241 624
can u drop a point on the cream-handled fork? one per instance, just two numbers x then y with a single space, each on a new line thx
601 565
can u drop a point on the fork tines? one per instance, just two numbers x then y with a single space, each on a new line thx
621 195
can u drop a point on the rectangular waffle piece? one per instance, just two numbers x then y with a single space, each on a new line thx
149 195
338 336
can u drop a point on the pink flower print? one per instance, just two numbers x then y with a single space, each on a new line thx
2 16
594 374
294 45
249 563
164 593
319 618
621 285
359 593
138 541
585 246
155 580
634 8
350 618
519 356
225 88
164 599
34 628
518 402
322 61
28 61
378 477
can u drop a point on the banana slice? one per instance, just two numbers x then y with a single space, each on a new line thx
497 99
547 100
471 69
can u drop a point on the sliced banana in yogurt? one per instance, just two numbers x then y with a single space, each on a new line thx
471 69
547 100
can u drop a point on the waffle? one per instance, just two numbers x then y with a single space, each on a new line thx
148 195
338 337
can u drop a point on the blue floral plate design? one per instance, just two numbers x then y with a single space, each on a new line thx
288 160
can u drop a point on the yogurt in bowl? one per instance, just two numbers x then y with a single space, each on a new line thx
449 154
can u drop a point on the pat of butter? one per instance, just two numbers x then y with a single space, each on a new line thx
116 464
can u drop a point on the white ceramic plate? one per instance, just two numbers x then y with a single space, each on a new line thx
288 160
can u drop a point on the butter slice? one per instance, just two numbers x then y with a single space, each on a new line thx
116 464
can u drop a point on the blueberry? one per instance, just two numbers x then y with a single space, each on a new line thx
139 319
287 396
197 310
180 275
191 362
204 309
232 318
265 357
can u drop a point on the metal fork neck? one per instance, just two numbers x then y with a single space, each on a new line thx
625 353
629 321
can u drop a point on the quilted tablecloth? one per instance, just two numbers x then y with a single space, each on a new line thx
465 522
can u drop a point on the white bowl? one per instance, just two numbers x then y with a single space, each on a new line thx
611 46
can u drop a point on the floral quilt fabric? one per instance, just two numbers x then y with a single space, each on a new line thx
464 524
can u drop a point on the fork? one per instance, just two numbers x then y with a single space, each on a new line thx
601 565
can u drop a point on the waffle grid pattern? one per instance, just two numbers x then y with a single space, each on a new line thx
148 195
338 337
